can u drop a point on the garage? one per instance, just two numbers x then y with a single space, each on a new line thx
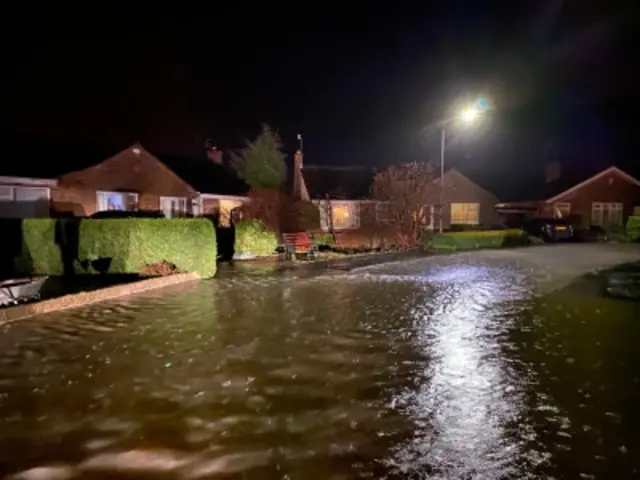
20 201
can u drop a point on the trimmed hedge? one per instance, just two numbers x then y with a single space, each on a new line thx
633 228
324 239
39 252
452 241
253 237
132 243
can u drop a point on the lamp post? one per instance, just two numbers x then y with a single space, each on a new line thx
467 116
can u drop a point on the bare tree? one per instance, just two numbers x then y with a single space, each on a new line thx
406 191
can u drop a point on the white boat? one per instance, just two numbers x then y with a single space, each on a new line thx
18 290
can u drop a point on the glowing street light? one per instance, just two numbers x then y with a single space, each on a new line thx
467 116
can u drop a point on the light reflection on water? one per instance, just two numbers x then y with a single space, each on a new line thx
400 371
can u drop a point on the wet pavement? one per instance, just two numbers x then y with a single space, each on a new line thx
495 364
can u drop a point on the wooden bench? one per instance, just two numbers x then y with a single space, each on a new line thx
298 243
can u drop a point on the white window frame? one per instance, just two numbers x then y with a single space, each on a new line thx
107 192
9 195
598 210
181 200
562 209
381 215
464 222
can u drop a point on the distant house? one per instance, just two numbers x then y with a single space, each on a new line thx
132 179
605 197
25 197
345 192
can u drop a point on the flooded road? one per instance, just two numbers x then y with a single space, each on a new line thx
463 367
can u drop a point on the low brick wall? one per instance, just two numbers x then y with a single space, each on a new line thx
20 312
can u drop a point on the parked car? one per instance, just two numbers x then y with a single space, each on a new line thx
127 214
549 229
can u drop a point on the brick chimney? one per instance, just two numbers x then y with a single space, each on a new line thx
298 158
299 187
552 171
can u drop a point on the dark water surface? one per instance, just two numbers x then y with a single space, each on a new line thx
400 371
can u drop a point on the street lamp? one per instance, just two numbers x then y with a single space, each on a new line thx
467 117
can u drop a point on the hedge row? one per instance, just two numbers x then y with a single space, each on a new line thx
118 246
253 238
452 241
633 228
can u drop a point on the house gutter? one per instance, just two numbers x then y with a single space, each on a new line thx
28 181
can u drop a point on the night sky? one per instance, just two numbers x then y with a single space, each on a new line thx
361 82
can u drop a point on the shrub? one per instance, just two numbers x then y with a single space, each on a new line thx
129 245
252 237
472 240
633 228
617 233
302 216
324 239
39 253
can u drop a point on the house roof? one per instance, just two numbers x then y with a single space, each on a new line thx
353 183
593 178
205 176
569 180
48 159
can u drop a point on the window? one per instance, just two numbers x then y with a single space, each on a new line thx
345 215
173 206
606 214
562 209
6 194
117 201
465 213
24 202
383 212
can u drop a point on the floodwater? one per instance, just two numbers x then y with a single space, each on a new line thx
410 370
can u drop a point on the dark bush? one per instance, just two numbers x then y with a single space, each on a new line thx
301 216
130 245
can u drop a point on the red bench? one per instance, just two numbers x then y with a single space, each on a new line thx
298 243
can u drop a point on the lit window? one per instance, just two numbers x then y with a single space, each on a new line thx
465 213
117 201
345 215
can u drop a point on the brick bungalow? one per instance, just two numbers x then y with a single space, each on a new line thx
132 179
345 193
605 198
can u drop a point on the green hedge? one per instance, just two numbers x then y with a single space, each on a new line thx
324 239
452 241
39 253
633 228
188 243
252 237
